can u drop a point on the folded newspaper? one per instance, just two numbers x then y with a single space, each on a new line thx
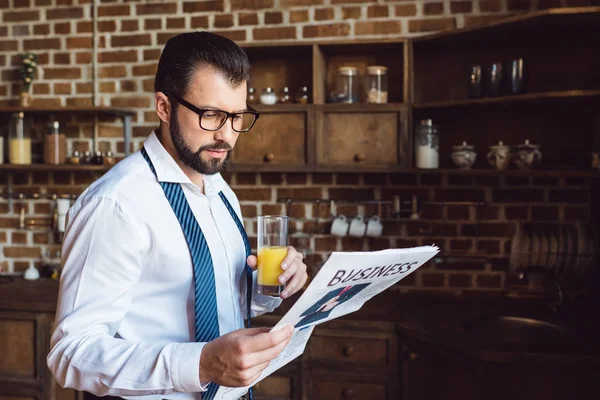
344 283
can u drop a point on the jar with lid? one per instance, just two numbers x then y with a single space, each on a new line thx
251 97
55 146
108 158
427 152
376 84
268 96
19 141
347 85
284 96
302 95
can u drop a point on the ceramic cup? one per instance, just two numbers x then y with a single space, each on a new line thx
357 226
339 226
374 227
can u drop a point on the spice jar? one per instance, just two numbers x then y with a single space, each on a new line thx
284 96
376 84
19 141
347 85
251 98
55 146
268 97
302 95
98 158
87 158
109 158
75 159
427 152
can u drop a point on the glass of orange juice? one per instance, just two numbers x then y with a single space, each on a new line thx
272 235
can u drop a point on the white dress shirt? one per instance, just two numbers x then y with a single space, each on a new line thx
125 315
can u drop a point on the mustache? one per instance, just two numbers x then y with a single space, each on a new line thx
216 146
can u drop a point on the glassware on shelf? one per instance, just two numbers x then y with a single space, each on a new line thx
268 96
302 95
55 146
377 84
109 159
284 96
251 97
427 152
19 141
347 85
75 158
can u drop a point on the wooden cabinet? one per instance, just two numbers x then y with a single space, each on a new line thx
327 386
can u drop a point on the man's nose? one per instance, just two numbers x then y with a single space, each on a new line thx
226 132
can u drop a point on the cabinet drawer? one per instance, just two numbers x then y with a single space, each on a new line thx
274 387
18 346
372 351
333 389
277 138
358 138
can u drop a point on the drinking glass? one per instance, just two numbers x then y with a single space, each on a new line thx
272 238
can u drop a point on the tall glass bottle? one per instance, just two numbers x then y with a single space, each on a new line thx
19 141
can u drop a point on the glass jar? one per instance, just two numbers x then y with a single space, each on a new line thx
19 141
376 84
347 85
268 97
427 151
55 146
302 95
284 96
251 98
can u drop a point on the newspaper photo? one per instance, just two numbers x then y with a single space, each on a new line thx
344 283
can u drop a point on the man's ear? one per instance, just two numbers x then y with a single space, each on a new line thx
163 107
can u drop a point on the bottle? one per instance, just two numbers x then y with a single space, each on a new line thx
108 158
302 95
87 158
75 159
347 85
97 159
427 152
376 84
268 97
284 96
19 142
251 97
55 146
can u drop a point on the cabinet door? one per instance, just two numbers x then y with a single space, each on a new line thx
345 387
429 373
356 138
275 387
278 138
22 339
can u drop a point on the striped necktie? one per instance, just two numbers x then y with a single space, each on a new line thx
206 316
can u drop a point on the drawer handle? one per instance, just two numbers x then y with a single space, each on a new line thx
269 157
348 350
359 157
347 392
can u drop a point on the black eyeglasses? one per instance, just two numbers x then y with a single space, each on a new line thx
213 120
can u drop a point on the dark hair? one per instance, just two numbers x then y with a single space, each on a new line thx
185 53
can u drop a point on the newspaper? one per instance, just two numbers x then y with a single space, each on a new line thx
344 283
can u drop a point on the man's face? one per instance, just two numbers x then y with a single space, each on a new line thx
206 152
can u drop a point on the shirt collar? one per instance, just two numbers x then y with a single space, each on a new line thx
167 169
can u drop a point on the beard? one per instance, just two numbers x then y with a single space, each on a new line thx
193 159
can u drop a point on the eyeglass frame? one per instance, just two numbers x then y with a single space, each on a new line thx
201 111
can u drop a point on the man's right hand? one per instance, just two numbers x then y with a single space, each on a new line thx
238 358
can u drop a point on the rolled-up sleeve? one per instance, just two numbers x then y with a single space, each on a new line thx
102 262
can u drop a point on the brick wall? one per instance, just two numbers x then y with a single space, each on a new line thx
131 34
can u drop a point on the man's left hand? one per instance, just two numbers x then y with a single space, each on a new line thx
294 272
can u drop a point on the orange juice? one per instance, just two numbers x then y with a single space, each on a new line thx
269 265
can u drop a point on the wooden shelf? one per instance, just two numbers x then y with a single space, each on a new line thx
282 108
511 172
107 111
520 98
333 107
53 168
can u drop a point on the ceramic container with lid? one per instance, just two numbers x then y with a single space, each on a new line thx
268 97
499 156
464 156
526 155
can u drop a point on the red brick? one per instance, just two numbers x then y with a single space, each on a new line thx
298 16
145 70
204 6
20 30
175 23
517 195
131 102
22 252
9 45
351 194
107 26
296 210
83 57
62 88
489 247
544 213
351 1
278 33
490 5
117 56
223 20
322 178
296 3
295 178
272 209
460 180
352 243
41 88
516 212
249 211
70 13
325 244
199 22
152 24
156 8
432 212
20 16
433 8
351 12
245 178
117 71
131 25
131 40
41 29
62 73
481 20
153 54
236 36
518 5
254 194
84 87
304 193
273 17
377 11
251 19
461 7
378 27
569 196
271 178
431 24
432 279
458 213
114 11
16 4
338 29
406 10
41 238
41 44
19 237
108 87
487 212
459 280
322 14
85 27
574 213
79 42
461 245
459 195
489 281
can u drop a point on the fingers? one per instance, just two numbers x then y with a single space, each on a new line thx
298 280
263 357
266 340
251 260
251 331
290 258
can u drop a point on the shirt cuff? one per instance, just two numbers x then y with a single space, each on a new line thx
185 364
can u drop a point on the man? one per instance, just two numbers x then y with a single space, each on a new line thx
153 291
